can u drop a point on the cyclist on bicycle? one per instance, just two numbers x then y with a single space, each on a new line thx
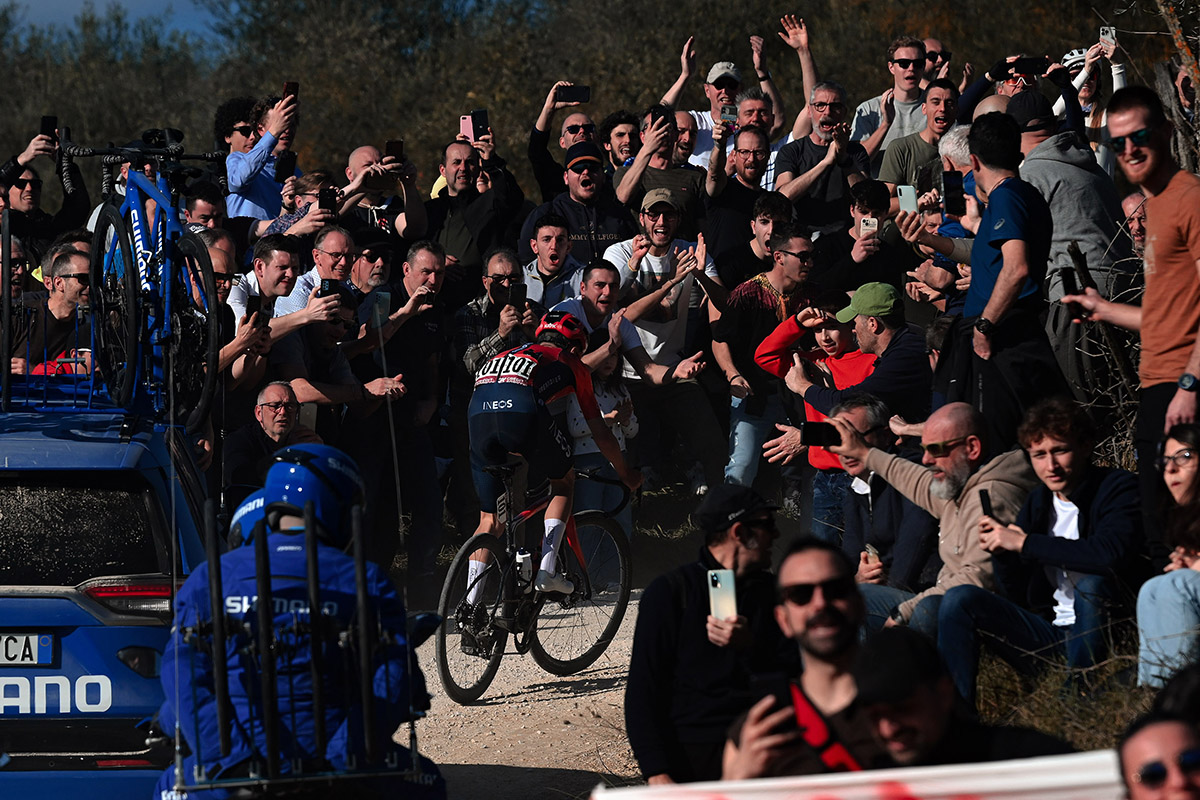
331 480
518 394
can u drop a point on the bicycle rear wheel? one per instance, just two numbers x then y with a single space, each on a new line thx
195 320
116 313
469 644
570 633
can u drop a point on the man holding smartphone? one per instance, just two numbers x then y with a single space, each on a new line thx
689 674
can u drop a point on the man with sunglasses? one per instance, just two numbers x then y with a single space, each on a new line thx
1170 361
820 609
577 127
817 171
689 673
948 484
594 219
897 112
1158 756
54 337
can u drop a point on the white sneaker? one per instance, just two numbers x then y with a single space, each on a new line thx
549 582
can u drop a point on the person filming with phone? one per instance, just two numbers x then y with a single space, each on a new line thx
689 675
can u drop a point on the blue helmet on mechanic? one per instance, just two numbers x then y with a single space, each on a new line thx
316 473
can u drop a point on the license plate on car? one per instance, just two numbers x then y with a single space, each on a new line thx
26 649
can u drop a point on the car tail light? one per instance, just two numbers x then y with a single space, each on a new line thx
132 595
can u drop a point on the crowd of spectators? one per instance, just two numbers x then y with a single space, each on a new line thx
894 310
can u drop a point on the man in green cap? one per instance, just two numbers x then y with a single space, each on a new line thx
901 378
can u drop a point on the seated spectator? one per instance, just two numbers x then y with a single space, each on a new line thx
1168 606
836 361
595 220
20 277
819 609
554 274
249 450
753 256
893 540
689 674
1158 756
955 470
909 697
54 337
1063 566
254 141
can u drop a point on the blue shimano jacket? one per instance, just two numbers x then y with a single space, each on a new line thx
187 675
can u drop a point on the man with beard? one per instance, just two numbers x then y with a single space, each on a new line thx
817 171
949 484
652 169
689 673
729 199
619 138
908 156
594 220
554 274
821 610
576 128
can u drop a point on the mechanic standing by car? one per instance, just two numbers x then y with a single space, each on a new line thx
331 481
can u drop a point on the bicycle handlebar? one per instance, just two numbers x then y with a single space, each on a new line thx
119 155
626 495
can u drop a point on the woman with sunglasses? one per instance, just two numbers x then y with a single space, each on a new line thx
1168 606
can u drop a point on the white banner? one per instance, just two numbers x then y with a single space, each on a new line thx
1079 776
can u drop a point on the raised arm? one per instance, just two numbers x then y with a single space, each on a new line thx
687 68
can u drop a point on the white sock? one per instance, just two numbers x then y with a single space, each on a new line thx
474 585
554 534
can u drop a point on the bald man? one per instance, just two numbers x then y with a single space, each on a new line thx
1134 206
948 483
993 102
387 194
576 128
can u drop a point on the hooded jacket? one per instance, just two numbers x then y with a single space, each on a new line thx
593 228
1008 478
1085 206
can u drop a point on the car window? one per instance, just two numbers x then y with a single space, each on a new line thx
63 533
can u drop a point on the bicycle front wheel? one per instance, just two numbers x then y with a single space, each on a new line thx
116 287
469 643
570 633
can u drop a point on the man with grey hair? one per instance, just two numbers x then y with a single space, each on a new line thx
249 449
46 338
817 171
333 254
951 483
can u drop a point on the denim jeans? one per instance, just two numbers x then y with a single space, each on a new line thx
971 616
880 600
1168 615
601 496
747 433
828 491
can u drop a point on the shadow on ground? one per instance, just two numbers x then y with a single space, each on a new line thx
465 781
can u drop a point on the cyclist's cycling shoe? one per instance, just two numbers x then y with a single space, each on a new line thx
549 582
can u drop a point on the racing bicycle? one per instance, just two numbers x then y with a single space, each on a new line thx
563 633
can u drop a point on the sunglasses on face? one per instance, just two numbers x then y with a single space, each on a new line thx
587 127
935 55
804 258
942 449
801 594
1139 139
83 278
223 277
20 264
1154 774
21 183
588 166
244 130
507 280
905 63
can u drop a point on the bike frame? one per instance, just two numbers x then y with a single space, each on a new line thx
504 503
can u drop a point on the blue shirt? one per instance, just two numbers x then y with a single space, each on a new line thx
253 191
1015 210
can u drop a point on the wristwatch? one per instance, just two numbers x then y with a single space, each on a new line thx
985 326
1189 382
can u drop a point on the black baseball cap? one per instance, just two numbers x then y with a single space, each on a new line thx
1032 111
892 663
727 504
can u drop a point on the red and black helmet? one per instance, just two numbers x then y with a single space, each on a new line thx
566 325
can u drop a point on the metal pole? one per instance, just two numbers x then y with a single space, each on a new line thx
6 308
216 595
266 652
366 634
316 625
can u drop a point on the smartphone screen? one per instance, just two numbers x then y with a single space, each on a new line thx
395 149
908 198
722 596
952 192
729 113
285 166
50 127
